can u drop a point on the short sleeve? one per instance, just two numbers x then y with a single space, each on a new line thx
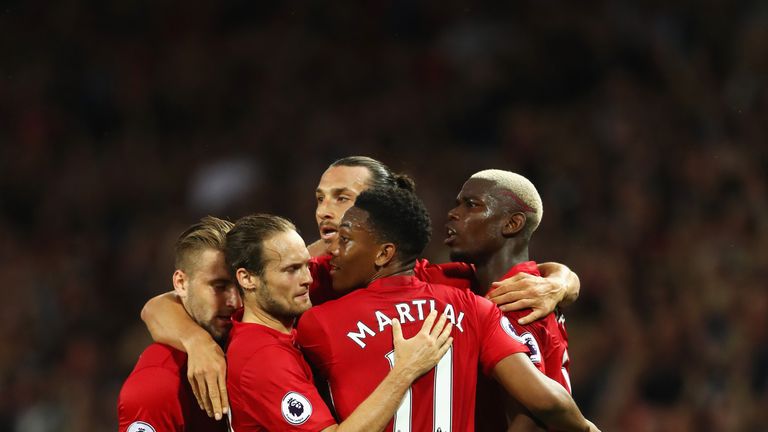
282 395
497 336
534 335
312 338
151 396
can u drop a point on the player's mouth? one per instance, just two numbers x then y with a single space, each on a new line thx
450 235
225 320
304 295
333 268
327 232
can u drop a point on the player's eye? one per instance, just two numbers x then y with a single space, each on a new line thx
319 198
342 199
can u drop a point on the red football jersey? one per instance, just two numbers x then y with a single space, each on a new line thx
547 342
350 342
269 383
156 396
455 274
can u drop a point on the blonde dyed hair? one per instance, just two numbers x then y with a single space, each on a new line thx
209 233
522 191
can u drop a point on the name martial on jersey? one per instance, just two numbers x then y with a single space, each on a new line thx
415 310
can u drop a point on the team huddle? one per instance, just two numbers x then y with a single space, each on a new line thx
356 331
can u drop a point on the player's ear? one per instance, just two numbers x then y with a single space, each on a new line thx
386 254
180 280
514 224
246 279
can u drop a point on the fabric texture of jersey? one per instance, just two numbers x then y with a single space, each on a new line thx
157 396
350 342
269 383
547 341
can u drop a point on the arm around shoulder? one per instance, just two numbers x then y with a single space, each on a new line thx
567 277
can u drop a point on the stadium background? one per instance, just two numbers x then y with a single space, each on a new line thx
643 124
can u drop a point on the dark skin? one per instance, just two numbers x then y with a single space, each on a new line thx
359 258
486 229
486 214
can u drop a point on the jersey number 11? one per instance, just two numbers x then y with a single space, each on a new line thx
443 396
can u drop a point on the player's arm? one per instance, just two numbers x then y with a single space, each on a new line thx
547 400
169 323
558 285
413 358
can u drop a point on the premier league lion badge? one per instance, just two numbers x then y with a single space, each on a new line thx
296 408
140 426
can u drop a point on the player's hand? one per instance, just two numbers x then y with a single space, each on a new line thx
592 427
419 354
207 374
523 291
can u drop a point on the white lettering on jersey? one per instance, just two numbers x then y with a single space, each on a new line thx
458 322
404 312
362 329
383 320
419 304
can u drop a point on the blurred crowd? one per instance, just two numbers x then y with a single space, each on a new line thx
643 124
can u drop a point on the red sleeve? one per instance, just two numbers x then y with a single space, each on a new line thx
281 394
321 289
533 335
151 396
458 275
496 339
313 340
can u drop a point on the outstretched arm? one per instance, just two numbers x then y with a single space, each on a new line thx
544 398
169 323
558 285
413 358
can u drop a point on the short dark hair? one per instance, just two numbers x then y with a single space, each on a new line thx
245 241
397 215
381 175
208 233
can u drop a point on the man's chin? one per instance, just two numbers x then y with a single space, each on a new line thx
219 335
339 286
458 256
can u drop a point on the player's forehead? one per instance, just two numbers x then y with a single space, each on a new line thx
284 249
208 263
476 188
351 178
355 219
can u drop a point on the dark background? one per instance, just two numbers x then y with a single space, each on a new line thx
643 124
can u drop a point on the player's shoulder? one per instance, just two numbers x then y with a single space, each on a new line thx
161 356
156 377
451 268
256 341
452 292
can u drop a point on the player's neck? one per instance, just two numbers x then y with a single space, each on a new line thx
394 269
254 314
497 265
